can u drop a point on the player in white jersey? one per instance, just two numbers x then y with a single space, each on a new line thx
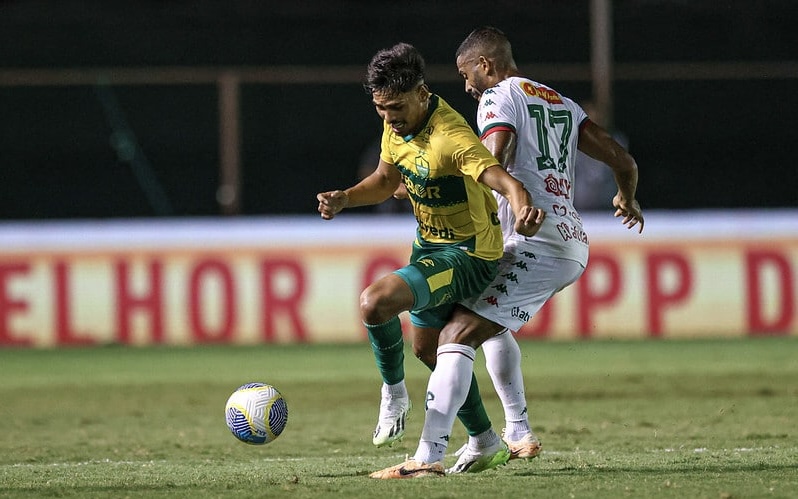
534 132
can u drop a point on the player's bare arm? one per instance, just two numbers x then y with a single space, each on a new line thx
597 143
502 144
374 189
528 218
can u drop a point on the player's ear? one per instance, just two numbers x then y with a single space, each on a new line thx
423 92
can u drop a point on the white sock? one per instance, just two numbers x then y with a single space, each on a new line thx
487 438
399 390
503 361
446 391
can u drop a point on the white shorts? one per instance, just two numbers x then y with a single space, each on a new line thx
525 282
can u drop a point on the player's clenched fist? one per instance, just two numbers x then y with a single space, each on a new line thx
331 203
528 224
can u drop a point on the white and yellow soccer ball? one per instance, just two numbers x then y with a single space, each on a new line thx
256 413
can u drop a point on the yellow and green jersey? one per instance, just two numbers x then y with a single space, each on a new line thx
440 166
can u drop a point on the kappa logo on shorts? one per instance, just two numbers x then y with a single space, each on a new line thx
510 276
501 288
529 254
493 301
521 265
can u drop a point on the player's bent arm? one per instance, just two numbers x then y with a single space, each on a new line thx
373 189
376 188
597 143
528 219
501 144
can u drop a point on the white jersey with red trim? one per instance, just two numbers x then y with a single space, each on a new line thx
546 125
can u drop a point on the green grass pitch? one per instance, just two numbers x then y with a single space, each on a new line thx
673 418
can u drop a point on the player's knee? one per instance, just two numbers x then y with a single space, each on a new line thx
375 306
467 328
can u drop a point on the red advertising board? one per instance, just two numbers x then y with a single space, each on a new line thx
299 280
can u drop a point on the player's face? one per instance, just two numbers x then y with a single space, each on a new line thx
404 112
472 69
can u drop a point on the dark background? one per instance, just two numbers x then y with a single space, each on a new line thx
725 143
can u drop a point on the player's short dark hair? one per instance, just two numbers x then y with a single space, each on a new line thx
488 41
395 70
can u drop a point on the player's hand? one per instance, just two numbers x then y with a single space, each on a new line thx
529 221
630 211
331 203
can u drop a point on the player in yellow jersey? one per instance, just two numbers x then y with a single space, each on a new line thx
448 174
534 131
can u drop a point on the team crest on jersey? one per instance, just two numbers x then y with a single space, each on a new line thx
422 165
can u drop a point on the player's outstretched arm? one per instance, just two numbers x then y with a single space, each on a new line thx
374 189
597 143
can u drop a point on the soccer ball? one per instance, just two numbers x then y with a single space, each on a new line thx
256 413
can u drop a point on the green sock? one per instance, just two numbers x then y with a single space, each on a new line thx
386 342
472 414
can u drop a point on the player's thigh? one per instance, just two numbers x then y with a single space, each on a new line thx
440 278
524 283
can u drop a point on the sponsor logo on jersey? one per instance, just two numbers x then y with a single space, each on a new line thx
444 233
558 186
490 115
572 232
544 93
423 191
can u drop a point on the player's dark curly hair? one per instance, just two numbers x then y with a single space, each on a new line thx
395 70
488 41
